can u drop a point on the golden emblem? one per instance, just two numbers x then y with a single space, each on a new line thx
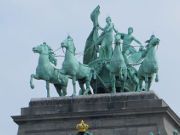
82 127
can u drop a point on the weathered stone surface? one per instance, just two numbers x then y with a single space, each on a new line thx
107 114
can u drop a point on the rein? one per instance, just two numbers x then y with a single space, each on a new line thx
80 53
57 49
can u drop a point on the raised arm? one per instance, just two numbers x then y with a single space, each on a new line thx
100 27
115 30
137 41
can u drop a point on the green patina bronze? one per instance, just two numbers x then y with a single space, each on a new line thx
151 133
77 71
110 62
175 132
47 71
127 41
119 70
105 39
90 47
149 66
117 65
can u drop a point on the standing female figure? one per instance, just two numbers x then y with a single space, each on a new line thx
106 39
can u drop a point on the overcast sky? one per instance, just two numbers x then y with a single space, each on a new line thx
27 23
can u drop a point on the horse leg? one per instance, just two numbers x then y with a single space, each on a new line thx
88 80
113 83
74 85
81 85
137 86
47 88
149 82
64 86
64 91
121 74
146 83
157 78
124 71
122 79
140 84
58 89
87 87
136 82
31 80
93 72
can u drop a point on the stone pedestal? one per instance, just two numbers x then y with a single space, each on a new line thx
106 114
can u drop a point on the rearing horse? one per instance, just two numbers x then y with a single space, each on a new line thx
46 70
149 66
117 65
75 69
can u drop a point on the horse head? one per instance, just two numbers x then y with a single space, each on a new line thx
41 49
150 47
46 50
69 44
153 42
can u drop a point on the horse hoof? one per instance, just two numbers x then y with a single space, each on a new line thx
156 80
73 95
113 92
32 86
86 92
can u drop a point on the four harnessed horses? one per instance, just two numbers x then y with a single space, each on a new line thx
117 67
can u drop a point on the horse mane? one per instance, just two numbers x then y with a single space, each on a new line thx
51 54
74 48
52 59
